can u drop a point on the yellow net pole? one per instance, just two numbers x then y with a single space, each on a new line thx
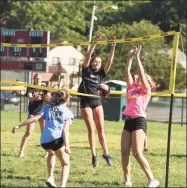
171 90
174 63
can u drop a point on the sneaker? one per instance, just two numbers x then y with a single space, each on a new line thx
108 159
94 161
153 183
50 182
21 154
127 184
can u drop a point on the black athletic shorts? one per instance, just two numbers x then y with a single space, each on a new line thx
132 124
54 145
89 102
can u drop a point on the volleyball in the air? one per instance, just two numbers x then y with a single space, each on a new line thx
103 90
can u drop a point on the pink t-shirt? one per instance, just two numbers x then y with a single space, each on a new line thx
137 101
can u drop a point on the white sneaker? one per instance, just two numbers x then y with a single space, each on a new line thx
153 183
21 155
127 184
50 182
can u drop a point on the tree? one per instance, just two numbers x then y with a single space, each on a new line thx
70 21
5 8
57 17
165 14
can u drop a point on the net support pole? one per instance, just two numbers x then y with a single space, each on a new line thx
168 141
172 90
20 107
182 106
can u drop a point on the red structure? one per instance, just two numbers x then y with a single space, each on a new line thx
18 58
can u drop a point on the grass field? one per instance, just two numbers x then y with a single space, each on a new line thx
31 171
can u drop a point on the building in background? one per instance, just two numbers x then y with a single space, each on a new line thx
59 65
23 59
67 58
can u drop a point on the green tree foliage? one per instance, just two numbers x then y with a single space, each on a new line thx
167 14
65 21
70 21
32 14
5 9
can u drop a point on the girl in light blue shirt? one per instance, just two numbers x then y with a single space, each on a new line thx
55 136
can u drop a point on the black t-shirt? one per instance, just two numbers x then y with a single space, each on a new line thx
35 106
90 80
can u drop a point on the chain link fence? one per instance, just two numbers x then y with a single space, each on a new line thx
157 110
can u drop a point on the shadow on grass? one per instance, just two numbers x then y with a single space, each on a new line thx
81 147
178 155
18 177
98 184
16 186
164 155
9 155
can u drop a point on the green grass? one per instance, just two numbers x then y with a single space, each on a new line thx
31 171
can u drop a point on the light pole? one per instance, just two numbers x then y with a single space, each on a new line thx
91 24
93 17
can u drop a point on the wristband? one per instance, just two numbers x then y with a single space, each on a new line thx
17 127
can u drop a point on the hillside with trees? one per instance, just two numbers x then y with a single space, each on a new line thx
70 21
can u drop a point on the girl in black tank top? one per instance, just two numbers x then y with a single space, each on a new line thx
91 108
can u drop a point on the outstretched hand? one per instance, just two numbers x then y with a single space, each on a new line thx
14 129
137 51
113 38
132 52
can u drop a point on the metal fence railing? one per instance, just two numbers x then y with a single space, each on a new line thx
157 110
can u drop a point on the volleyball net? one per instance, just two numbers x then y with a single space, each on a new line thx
158 63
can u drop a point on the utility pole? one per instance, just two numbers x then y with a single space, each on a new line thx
91 24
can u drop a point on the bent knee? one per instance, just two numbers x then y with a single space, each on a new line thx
27 134
125 153
100 129
51 153
66 163
90 129
137 154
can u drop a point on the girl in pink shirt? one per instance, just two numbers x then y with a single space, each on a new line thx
133 135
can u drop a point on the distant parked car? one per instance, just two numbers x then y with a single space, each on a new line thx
2 102
12 98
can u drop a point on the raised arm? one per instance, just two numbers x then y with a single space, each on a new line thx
111 57
141 71
128 76
90 52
